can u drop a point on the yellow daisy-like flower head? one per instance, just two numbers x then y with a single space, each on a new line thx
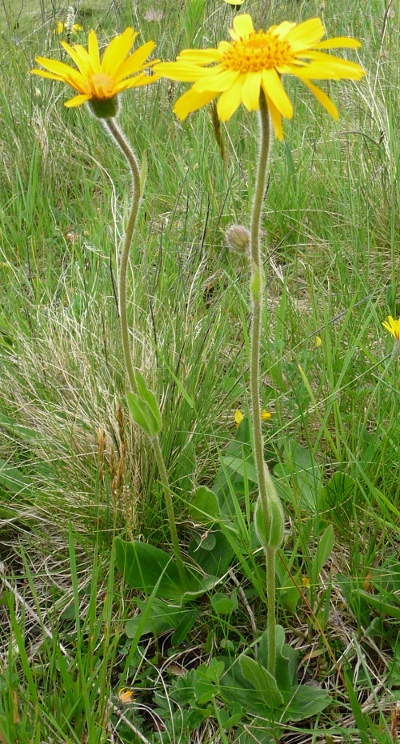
126 696
393 326
254 61
238 418
99 82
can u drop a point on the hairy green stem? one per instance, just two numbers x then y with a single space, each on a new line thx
257 298
119 138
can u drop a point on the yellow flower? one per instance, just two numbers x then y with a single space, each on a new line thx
61 27
96 80
305 582
125 696
238 70
265 415
393 326
238 418
318 342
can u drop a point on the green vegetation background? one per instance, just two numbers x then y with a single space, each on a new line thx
74 472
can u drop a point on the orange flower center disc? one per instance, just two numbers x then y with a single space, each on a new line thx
260 51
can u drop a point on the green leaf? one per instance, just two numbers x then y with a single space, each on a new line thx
142 564
138 630
262 681
230 718
375 600
288 592
208 541
204 507
286 660
359 717
222 604
199 585
215 561
204 691
241 467
144 413
163 617
298 477
322 554
306 701
187 621
14 480
339 490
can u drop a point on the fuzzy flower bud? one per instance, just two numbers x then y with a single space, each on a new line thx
238 238
269 521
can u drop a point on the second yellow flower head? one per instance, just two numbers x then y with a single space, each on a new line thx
101 80
252 61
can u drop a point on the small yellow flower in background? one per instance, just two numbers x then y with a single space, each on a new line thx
238 70
96 80
305 582
125 696
234 2
61 27
238 418
393 326
318 342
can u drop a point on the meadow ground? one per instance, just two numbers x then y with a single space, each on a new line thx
84 656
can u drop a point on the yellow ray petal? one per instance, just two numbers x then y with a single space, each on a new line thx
135 61
251 91
338 42
48 75
181 71
325 67
324 100
306 34
199 56
242 26
230 100
79 56
93 51
77 101
276 92
117 51
136 82
276 117
191 101
283 29
217 83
